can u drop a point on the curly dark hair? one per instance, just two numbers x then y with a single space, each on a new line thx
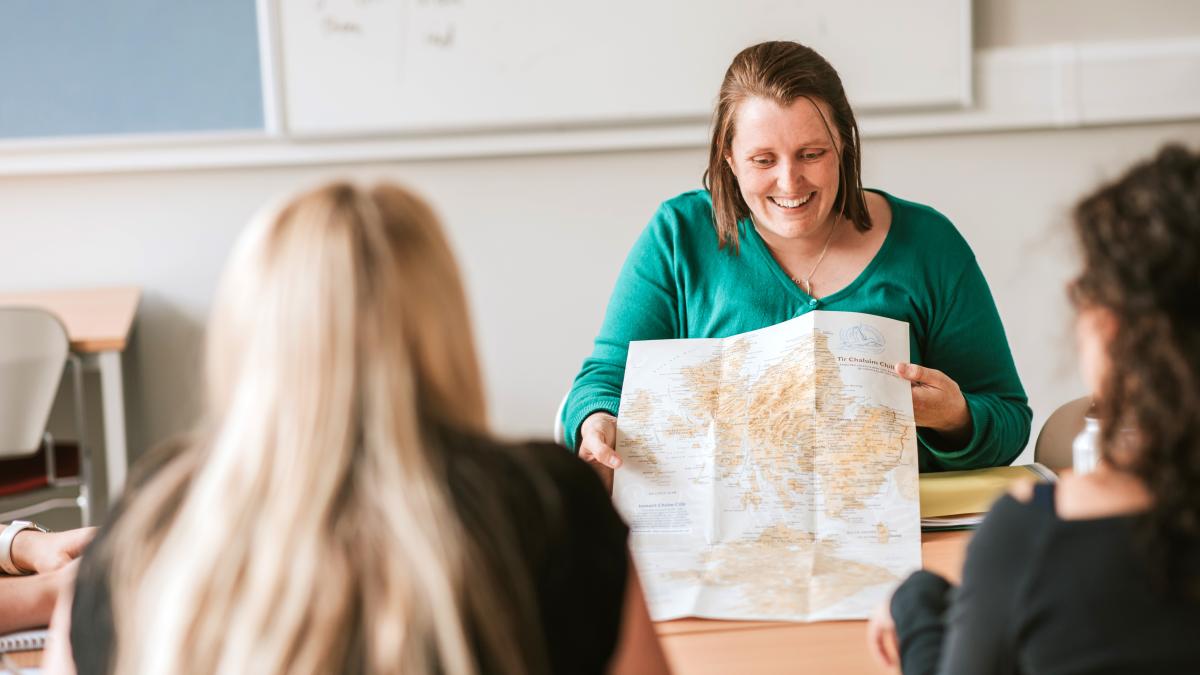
1140 237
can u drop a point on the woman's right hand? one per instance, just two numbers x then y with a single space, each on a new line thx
597 442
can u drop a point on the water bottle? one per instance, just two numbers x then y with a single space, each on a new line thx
1085 450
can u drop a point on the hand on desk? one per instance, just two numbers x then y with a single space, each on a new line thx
57 657
881 636
597 443
44 552
27 602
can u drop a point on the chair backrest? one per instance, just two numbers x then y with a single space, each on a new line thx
1053 447
559 433
33 353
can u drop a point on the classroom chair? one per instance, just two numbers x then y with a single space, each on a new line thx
34 352
1053 446
559 435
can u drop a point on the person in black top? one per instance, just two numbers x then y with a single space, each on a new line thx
1101 573
342 508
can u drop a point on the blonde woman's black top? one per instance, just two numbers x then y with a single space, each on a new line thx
539 515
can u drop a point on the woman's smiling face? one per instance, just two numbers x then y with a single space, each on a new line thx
786 164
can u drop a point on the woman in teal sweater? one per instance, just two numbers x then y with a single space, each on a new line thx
785 227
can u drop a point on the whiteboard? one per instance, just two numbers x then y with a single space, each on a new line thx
353 67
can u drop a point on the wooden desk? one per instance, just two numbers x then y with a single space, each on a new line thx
703 646
98 323
26 659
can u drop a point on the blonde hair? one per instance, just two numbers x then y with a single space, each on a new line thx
308 527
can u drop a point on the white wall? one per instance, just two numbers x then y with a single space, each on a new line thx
1011 23
541 238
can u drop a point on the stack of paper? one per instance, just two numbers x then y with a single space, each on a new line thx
958 500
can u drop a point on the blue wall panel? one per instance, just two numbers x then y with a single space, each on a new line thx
101 67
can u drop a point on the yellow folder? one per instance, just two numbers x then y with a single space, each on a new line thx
954 493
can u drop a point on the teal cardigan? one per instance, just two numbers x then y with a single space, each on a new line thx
676 283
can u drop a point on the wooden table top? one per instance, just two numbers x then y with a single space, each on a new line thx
97 320
705 646
26 659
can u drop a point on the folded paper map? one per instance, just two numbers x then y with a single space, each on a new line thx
771 475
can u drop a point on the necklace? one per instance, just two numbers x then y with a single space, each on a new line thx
806 284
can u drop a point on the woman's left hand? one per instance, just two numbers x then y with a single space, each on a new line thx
938 403
881 637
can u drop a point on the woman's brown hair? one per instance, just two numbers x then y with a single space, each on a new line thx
1140 237
781 72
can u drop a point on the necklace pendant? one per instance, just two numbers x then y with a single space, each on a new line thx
804 284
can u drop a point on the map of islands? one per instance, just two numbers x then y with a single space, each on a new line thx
772 474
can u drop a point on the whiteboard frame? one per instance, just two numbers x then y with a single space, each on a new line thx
270 71
967 93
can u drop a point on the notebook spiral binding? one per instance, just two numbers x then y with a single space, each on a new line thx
23 641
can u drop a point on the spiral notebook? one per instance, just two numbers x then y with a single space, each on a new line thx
24 641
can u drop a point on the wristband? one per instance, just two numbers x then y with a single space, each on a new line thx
6 542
